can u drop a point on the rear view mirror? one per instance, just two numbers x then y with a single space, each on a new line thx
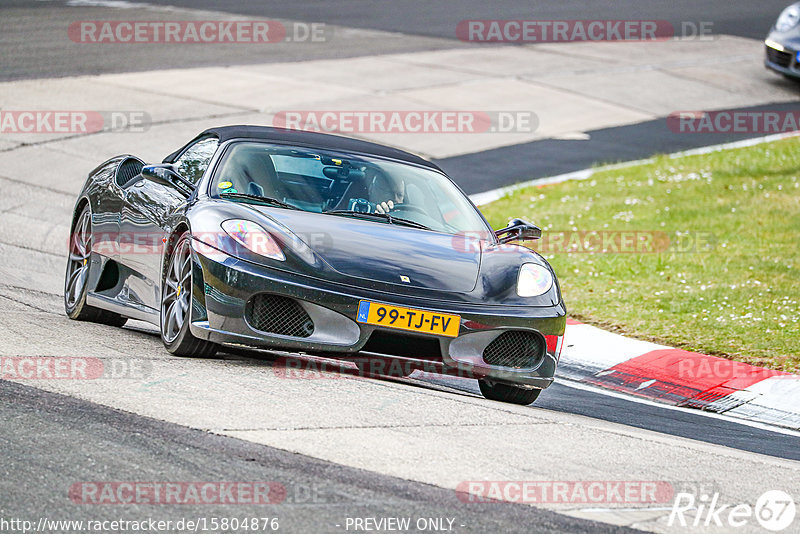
342 173
518 230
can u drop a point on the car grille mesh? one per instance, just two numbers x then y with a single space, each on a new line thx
129 170
782 59
515 348
278 315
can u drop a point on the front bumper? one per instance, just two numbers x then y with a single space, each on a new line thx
223 285
782 58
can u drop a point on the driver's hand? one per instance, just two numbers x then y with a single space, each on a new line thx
384 207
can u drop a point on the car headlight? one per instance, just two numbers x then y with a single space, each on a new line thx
788 18
254 238
533 280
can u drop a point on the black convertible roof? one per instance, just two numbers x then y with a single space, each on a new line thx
304 138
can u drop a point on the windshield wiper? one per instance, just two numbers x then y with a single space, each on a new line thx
269 201
382 216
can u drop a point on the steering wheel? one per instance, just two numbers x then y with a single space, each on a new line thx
361 205
409 207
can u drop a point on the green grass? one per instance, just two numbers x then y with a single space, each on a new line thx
735 295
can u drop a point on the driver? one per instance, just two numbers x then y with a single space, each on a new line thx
386 191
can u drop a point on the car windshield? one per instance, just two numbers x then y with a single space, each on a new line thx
373 189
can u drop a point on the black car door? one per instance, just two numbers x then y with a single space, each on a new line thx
146 208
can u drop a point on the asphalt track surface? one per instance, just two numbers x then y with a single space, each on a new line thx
64 440
32 35
565 396
505 166
744 18
49 441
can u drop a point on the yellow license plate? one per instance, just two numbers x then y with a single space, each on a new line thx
427 322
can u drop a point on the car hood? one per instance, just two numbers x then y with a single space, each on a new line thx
387 253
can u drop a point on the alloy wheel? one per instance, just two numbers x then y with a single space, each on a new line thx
80 251
177 292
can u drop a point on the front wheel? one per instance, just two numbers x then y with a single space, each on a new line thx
506 393
176 303
77 276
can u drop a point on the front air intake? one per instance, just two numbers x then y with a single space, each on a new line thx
275 314
516 348
404 345
780 58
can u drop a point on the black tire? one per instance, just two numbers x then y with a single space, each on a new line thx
176 305
75 277
507 393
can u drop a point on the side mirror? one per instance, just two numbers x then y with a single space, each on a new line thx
165 174
518 230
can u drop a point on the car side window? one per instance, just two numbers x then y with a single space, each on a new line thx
194 161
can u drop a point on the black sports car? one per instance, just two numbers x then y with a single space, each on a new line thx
315 243
783 43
